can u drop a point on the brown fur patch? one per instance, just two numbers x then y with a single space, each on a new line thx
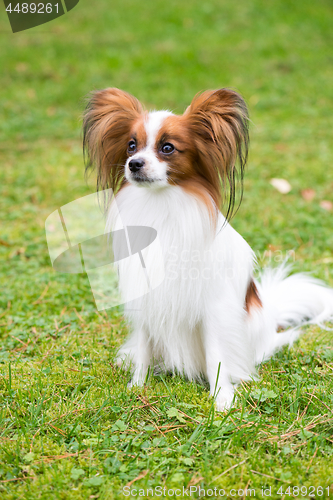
108 120
252 299
182 169
138 132
180 162
218 124
209 138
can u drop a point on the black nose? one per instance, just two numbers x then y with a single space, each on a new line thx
135 165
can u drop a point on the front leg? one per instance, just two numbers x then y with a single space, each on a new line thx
217 373
136 352
226 349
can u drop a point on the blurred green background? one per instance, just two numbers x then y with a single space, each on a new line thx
279 55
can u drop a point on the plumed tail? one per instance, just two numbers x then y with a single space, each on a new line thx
298 298
290 301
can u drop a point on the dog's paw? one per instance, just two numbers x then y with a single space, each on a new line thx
135 383
123 361
224 399
119 362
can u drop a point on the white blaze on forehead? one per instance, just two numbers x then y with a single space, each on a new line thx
153 125
154 170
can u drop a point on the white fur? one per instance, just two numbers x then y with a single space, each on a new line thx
196 319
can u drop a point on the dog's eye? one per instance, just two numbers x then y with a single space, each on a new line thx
167 148
131 148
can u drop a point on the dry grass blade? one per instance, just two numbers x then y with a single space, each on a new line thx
267 475
228 470
140 476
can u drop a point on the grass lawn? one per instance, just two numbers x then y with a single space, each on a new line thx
69 427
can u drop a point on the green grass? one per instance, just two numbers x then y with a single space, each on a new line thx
69 428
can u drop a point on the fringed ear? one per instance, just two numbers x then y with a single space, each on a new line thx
107 122
218 121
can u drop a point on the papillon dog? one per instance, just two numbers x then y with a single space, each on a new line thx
209 318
